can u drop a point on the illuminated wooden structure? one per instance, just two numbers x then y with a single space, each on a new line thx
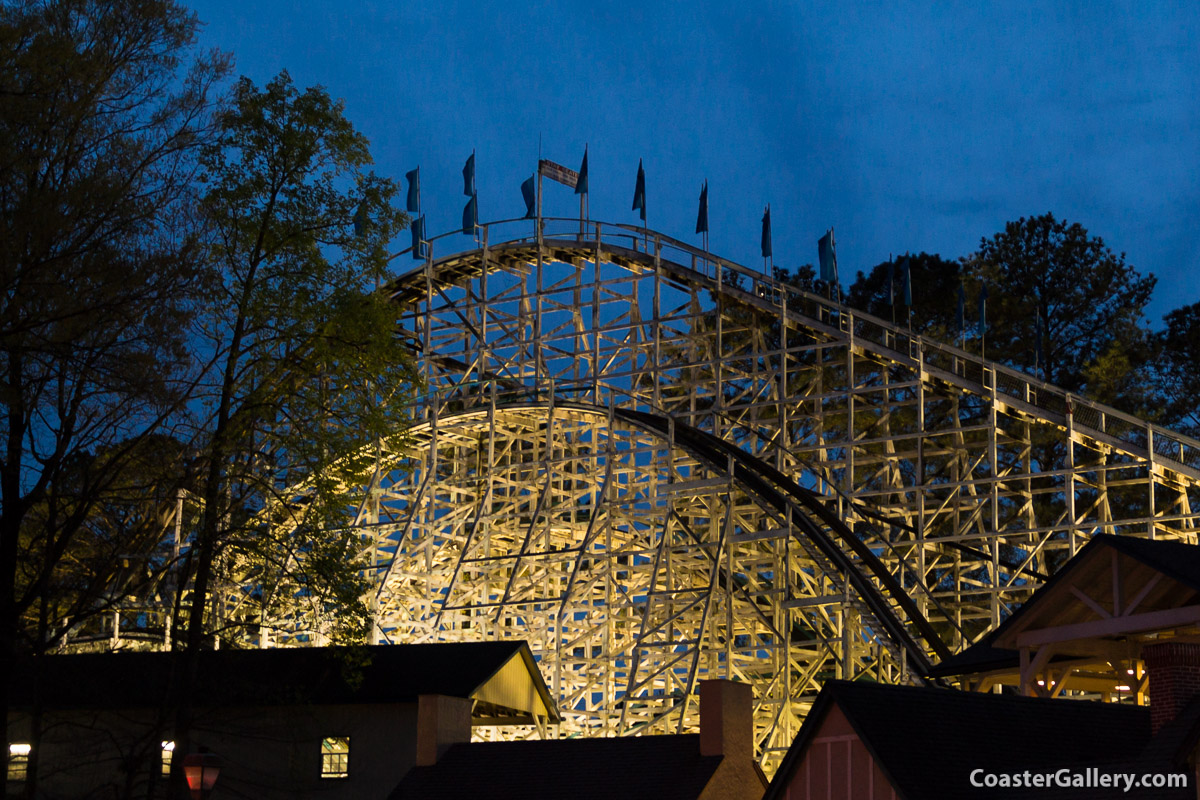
1086 629
658 466
1116 626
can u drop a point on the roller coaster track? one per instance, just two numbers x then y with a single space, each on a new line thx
657 465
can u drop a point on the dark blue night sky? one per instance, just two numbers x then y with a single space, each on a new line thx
904 126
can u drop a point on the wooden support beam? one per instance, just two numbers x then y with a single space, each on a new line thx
1116 579
1116 626
1089 602
1141 595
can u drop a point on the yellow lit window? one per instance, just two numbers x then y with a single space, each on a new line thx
18 761
335 757
168 748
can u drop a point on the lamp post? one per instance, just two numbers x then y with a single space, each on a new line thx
201 770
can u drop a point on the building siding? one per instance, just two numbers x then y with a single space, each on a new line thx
836 765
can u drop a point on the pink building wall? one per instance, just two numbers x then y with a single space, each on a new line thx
836 765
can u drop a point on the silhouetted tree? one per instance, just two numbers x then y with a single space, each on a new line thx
934 286
1178 376
1094 339
102 106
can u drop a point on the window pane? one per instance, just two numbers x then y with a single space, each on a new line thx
335 757
18 761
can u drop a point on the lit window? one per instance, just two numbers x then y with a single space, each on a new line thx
335 757
167 749
18 761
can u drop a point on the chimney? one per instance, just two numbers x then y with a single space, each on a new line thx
441 722
726 719
1173 669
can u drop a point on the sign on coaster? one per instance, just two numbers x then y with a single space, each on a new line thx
557 172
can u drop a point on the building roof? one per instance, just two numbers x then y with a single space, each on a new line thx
503 674
1054 604
1176 561
630 768
982 657
928 740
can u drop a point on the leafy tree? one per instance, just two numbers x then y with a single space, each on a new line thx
1061 299
119 555
116 559
1177 377
803 277
934 287
308 369
1090 301
102 106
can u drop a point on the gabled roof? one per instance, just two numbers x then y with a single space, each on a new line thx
982 657
630 768
1178 562
502 674
928 740
1176 740
1143 564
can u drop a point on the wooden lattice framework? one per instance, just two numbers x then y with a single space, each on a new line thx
636 560
656 466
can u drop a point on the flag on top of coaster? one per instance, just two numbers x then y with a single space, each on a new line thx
639 191
414 190
766 232
581 186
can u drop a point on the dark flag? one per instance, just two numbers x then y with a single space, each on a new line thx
702 214
361 219
639 191
470 216
827 255
414 190
766 233
418 238
581 186
962 309
891 281
983 296
527 191
469 176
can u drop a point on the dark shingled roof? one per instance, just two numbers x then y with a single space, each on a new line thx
319 675
1176 560
630 768
928 740
1176 740
981 657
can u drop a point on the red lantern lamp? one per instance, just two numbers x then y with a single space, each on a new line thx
201 770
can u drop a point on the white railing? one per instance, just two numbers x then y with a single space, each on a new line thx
970 372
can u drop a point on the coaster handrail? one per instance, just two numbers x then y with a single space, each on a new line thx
1104 424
